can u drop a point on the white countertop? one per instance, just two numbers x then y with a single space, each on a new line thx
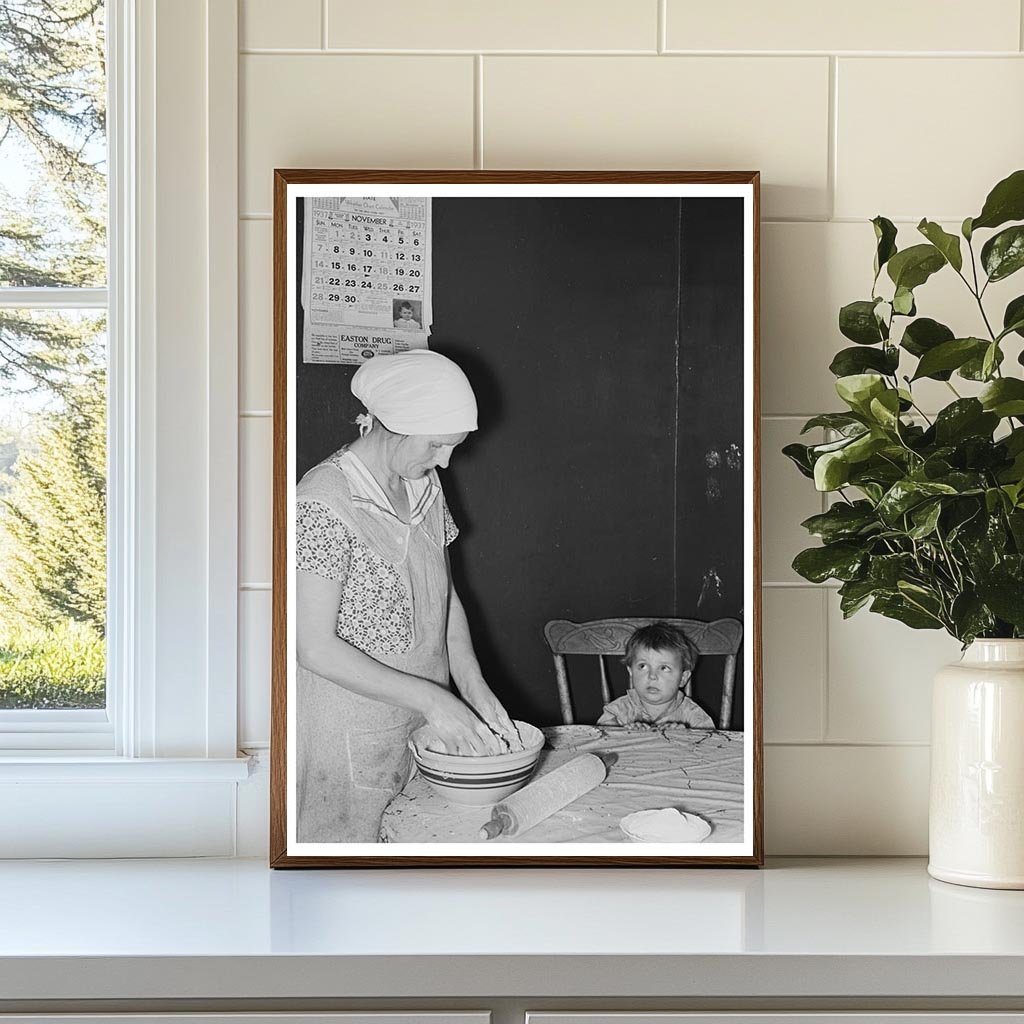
235 929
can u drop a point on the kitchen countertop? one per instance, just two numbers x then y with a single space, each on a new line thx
233 929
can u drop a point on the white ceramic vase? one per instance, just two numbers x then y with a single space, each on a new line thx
976 817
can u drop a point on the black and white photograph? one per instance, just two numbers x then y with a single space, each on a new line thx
516 582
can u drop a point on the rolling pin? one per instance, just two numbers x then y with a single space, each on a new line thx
550 793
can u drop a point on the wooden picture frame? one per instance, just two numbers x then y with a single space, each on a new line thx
608 322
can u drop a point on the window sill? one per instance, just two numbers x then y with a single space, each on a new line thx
74 766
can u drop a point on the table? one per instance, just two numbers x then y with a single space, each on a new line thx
696 770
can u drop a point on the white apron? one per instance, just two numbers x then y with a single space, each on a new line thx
352 756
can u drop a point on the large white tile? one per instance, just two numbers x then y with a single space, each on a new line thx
254 629
787 499
471 25
351 111
869 25
793 643
846 801
255 316
682 113
270 24
808 272
255 512
961 131
880 676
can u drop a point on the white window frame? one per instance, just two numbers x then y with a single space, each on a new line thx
173 468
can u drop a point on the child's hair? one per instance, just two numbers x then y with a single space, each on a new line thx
405 305
661 636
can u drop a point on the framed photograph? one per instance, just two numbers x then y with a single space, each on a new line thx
516 588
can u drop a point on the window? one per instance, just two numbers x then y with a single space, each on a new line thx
53 369
155 770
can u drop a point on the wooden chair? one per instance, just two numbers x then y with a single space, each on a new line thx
608 637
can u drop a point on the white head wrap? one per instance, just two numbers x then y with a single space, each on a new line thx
417 392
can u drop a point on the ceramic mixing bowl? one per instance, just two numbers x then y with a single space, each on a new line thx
478 781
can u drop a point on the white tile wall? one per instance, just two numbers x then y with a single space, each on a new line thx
971 110
794 664
873 25
921 122
471 25
266 24
320 111
699 113
879 677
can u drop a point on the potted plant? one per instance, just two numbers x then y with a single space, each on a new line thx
927 521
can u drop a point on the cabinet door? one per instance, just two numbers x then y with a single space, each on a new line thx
934 1017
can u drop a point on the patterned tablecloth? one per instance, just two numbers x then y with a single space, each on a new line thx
692 769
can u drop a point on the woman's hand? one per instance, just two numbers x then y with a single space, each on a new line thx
458 729
480 697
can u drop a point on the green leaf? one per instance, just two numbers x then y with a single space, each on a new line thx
842 521
885 236
854 594
841 421
1005 202
864 447
858 389
990 360
903 302
817 450
831 471
974 368
872 491
1015 518
900 609
965 229
1006 599
832 561
882 471
966 417
1003 254
1004 397
912 267
970 617
1013 317
923 335
982 538
906 494
849 361
963 482
994 499
799 455
885 409
925 518
887 570
857 321
950 355
947 244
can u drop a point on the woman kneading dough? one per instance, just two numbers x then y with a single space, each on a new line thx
381 633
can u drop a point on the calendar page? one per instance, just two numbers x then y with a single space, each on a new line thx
366 287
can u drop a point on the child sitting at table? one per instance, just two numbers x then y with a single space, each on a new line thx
660 661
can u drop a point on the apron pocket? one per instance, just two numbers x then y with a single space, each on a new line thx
380 759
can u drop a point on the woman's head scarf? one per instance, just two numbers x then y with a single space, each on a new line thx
417 392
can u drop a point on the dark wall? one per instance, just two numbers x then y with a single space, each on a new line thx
604 341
